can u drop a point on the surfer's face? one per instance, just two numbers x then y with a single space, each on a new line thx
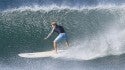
53 24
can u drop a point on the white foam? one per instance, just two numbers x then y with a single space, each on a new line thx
110 42
62 7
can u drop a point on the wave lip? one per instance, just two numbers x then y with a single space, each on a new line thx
79 3
62 7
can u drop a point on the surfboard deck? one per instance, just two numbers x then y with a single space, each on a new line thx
40 54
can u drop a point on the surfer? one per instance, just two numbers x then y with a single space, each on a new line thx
61 34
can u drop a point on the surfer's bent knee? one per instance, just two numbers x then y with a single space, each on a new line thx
54 42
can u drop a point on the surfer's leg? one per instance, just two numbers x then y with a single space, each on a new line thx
55 47
67 43
66 38
58 38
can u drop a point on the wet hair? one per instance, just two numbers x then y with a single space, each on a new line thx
53 23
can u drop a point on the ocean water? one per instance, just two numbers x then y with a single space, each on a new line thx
96 31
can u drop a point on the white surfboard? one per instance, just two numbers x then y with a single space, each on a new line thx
40 54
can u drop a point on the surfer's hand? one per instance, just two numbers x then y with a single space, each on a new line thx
45 38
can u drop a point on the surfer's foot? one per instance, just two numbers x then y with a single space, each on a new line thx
67 45
55 52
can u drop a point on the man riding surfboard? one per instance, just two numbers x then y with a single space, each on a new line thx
61 34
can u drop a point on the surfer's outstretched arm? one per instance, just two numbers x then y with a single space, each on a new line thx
50 33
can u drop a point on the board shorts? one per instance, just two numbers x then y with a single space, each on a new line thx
61 36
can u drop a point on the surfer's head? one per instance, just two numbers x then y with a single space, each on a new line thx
53 23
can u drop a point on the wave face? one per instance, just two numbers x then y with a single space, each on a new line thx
93 32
